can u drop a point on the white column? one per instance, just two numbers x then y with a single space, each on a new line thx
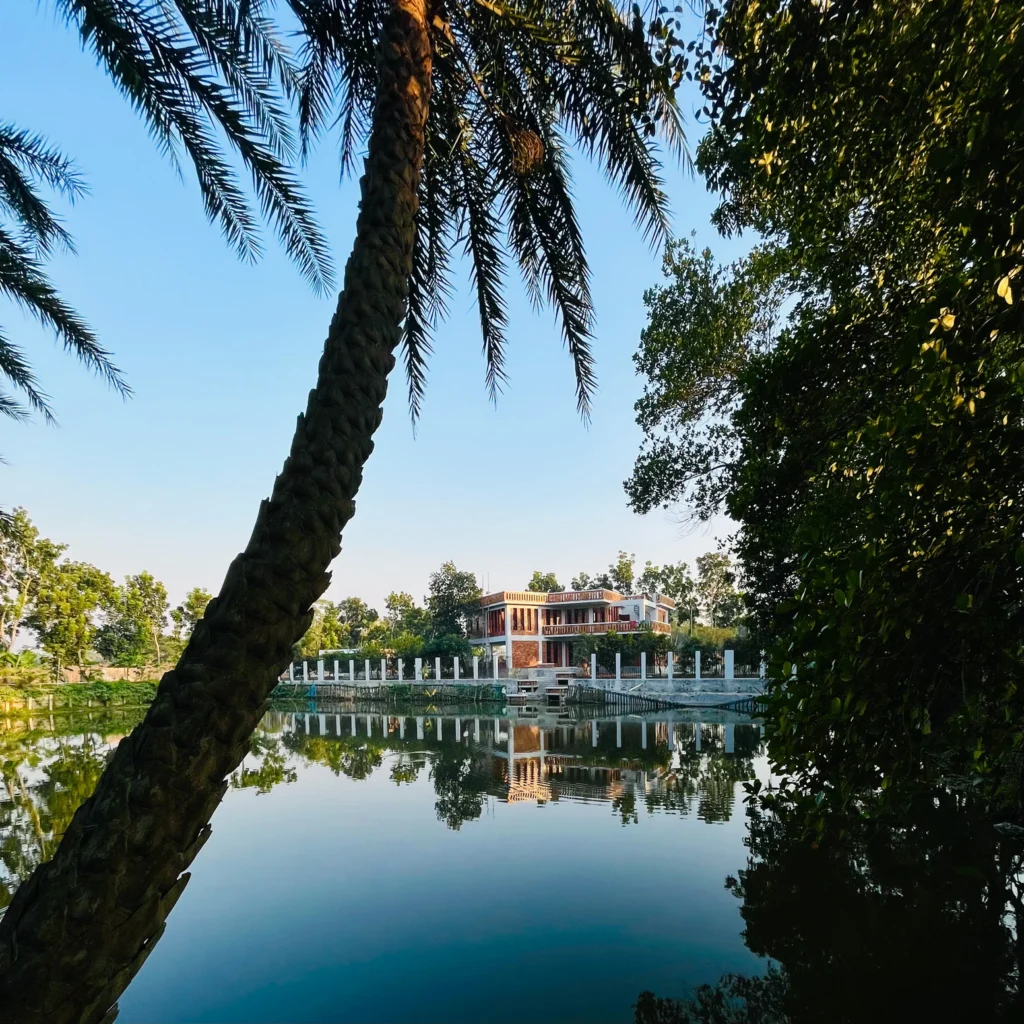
401 670
291 671
643 666
384 723
369 726
618 668
401 728
440 735
352 724
383 670
696 665
437 669
337 725
418 669
419 728
351 671
337 674
476 666
476 730
730 664
618 732
643 734
320 670
458 729
593 732
305 671
455 667
367 669
697 734
593 667
497 729
671 665
730 738
565 654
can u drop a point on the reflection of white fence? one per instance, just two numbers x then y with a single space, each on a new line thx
674 675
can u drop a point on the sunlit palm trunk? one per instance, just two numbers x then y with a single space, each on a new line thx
78 930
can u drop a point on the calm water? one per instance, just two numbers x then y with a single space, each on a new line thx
536 867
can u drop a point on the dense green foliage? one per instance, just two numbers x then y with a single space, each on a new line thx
877 149
76 609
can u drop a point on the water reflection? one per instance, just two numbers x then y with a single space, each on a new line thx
916 918
674 764
49 767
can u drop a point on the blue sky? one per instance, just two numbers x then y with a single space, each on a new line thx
221 356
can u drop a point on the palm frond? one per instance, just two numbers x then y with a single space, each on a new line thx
194 78
24 281
515 84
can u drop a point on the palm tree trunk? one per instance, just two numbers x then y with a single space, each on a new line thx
78 930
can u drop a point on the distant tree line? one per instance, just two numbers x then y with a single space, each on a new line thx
437 628
77 613
713 595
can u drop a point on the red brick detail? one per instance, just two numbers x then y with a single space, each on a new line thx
524 653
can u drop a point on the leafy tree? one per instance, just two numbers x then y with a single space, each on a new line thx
452 594
715 588
544 583
68 599
354 614
874 484
189 612
706 329
582 581
136 616
24 558
405 616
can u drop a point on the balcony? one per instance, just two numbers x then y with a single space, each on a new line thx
578 628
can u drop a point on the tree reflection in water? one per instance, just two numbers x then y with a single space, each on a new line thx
917 919
45 777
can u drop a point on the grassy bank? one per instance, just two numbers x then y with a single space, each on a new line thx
71 696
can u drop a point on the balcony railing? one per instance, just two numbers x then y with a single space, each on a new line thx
575 629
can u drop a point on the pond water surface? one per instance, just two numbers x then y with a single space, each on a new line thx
527 866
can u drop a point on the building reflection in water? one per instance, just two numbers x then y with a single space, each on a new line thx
675 763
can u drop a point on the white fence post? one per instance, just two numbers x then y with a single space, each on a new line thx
351 670
401 675
476 666
730 664
437 669
366 668
455 667
320 670
593 667
418 668
671 665
337 675
383 670
305 671
618 668
696 664
291 671
643 666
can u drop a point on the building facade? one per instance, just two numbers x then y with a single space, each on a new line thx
538 629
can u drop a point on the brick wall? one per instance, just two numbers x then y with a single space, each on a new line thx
524 653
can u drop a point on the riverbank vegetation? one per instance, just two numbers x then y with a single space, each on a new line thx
79 617
852 392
